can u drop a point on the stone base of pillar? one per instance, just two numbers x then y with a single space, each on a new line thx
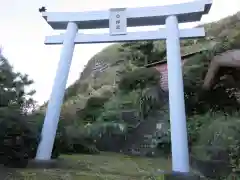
178 176
43 164
182 176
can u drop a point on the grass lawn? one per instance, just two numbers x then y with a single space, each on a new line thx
106 166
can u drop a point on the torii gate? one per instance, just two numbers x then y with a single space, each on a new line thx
117 20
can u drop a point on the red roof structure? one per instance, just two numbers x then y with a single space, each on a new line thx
161 66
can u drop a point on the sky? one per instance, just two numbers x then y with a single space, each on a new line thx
23 31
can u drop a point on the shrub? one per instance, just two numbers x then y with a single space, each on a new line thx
76 140
93 109
140 78
199 101
219 140
18 140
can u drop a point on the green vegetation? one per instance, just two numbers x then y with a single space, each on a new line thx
135 89
107 166
19 135
117 109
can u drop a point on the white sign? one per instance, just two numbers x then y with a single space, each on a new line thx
118 21
159 126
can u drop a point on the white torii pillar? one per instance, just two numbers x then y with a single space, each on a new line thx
119 19
56 99
179 139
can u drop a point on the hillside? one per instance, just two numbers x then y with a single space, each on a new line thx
78 93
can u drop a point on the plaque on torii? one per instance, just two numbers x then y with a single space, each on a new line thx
117 21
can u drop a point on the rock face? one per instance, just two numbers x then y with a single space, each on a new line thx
136 143
229 58
139 141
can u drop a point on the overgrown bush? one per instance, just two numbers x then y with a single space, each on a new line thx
69 138
92 109
195 124
143 53
76 140
19 138
139 79
199 101
216 139
16 138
